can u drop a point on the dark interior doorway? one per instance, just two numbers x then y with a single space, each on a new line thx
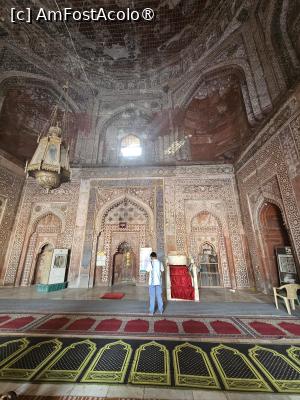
274 235
124 265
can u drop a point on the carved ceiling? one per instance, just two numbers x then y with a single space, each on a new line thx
87 49
215 121
293 25
144 44
129 46
150 70
25 114
21 120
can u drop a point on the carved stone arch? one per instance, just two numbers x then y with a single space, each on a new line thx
265 269
45 243
106 238
221 221
108 141
32 246
224 250
209 243
48 84
259 205
119 203
219 218
33 224
117 247
118 252
105 122
39 250
237 66
115 202
256 216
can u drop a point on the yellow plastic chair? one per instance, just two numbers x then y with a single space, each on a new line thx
291 295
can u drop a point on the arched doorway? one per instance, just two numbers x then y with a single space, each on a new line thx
208 248
209 265
124 265
47 229
43 264
127 220
274 234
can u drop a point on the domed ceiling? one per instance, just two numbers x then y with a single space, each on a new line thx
215 121
129 46
187 70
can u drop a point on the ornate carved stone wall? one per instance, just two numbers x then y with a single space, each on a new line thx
35 204
11 182
143 195
138 228
204 228
47 230
171 197
216 194
269 171
158 206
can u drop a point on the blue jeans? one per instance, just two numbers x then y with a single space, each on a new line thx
155 292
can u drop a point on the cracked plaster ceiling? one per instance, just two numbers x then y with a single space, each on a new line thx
131 46
214 121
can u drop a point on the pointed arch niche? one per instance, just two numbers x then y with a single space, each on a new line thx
44 234
274 234
124 220
208 248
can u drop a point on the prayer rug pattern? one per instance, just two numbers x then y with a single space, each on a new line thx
157 326
249 367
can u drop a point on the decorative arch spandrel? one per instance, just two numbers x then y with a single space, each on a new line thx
142 229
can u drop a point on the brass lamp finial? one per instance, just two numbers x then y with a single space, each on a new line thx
50 162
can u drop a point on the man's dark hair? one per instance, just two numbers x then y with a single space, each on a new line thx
153 254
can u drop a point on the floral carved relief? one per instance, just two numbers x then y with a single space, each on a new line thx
10 189
34 204
203 193
280 155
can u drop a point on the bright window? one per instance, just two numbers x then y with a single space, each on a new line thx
131 146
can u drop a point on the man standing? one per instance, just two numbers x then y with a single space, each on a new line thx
155 268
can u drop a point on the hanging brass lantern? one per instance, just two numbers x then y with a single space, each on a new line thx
50 162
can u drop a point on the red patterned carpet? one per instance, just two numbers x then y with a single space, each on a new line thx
137 325
113 296
158 326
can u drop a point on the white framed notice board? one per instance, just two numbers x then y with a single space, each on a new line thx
58 266
144 257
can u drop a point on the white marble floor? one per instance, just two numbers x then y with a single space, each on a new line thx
137 392
138 293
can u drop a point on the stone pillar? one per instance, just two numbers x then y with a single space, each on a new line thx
231 265
87 238
195 280
78 277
